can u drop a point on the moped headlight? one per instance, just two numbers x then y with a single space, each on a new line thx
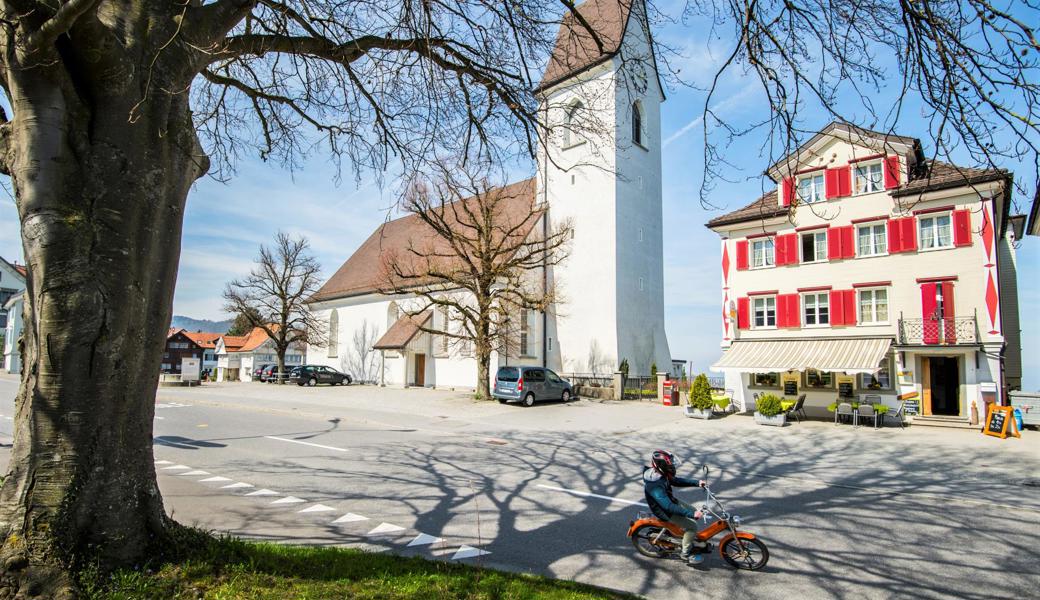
736 520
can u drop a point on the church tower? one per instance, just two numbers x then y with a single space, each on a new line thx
600 169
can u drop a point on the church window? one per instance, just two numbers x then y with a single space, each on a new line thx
640 284
570 124
637 122
527 329
334 333
392 315
640 234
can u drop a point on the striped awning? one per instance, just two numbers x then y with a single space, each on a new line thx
849 355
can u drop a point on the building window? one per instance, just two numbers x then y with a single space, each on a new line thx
637 122
765 311
442 339
640 234
871 240
873 306
819 380
334 333
869 178
570 120
766 380
762 254
810 189
527 331
882 380
814 247
640 284
935 232
393 313
816 311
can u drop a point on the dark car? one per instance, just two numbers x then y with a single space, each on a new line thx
528 385
270 373
258 373
314 374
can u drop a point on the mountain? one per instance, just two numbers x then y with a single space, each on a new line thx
200 324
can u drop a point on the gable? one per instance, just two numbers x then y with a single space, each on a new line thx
576 48
839 142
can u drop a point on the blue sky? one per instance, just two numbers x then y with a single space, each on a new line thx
225 223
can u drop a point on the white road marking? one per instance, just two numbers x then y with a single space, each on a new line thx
163 462
237 485
263 492
385 528
170 405
591 495
213 479
317 508
160 418
176 468
289 500
469 552
195 473
424 539
350 518
271 437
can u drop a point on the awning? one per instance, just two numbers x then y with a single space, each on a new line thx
402 332
849 355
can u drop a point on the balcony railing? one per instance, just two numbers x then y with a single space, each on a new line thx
938 332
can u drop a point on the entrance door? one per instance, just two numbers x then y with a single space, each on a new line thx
943 385
420 370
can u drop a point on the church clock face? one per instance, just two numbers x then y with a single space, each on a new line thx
639 77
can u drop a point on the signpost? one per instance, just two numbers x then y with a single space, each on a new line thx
1000 422
846 385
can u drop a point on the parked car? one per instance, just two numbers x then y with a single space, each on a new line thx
270 373
528 385
314 374
258 373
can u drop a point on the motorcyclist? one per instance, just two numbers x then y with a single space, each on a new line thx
658 480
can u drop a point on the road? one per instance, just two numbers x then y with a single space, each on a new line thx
550 490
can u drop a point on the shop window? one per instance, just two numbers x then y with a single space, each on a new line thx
765 380
882 380
869 178
819 380
764 311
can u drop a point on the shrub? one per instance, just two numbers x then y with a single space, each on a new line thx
624 368
653 371
700 393
769 405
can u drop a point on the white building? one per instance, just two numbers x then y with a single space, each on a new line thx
12 301
602 172
238 356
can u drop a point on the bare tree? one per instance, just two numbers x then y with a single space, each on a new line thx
483 263
360 361
273 295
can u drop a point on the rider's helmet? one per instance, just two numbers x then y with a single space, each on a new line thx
664 463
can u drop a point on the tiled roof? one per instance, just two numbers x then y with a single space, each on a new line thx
939 175
576 48
203 339
171 331
402 332
21 269
365 271
763 208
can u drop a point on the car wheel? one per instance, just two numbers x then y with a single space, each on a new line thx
300 383
349 381
529 400
566 397
502 400
312 382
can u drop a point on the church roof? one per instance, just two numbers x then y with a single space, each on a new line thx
365 271
577 49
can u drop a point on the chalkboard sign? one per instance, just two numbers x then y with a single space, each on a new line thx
911 407
845 390
999 421
790 388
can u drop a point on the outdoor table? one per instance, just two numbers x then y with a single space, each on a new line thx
786 405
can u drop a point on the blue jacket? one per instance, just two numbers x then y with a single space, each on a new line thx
658 491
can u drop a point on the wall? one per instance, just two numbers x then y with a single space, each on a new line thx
12 358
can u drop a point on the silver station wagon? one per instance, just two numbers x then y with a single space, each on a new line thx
528 385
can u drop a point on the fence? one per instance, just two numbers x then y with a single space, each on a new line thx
639 388
589 379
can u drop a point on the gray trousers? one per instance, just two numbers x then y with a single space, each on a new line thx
689 527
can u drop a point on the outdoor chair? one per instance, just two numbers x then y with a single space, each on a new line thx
844 410
898 415
799 409
866 411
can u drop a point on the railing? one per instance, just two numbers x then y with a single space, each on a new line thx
639 388
589 379
938 332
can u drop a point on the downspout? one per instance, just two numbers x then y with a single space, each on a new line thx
545 234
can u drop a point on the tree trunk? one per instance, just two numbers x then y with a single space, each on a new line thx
101 202
280 378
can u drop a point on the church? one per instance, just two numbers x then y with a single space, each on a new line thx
600 171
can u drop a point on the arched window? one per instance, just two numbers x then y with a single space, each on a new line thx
334 333
392 315
637 122
570 123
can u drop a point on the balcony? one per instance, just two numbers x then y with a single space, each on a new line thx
957 331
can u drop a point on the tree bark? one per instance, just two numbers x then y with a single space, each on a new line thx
101 201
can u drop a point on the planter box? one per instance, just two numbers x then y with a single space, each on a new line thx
697 413
776 421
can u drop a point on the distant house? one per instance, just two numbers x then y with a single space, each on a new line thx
181 344
238 355
12 288
12 281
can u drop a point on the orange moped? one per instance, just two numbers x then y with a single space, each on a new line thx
656 538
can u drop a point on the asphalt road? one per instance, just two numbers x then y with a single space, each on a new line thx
550 490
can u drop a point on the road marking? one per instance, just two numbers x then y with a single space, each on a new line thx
424 539
213 479
170 405
271 437
263 492
237 485
163 462
317 508
289 500
176 468
591 495
469 552
350 518
385 528
159 418
195 473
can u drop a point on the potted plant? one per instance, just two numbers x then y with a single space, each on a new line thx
769 412
700 402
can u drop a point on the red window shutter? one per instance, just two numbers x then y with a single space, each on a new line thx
848 242
962 227
787 190
781 310
908 234
834 243
844 178
891 172
830 183
742 255
928 305
848 308
780 250
949 324
794 318
792 248
743 313
894 239
837 308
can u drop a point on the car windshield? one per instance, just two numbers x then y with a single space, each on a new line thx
508 374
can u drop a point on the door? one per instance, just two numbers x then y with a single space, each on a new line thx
420 370
554 385
534 382
944 384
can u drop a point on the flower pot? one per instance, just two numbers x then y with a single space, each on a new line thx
697 413
776 420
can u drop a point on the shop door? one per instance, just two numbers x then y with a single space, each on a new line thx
943 386
420 370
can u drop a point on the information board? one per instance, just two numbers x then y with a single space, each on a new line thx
846 386
1000 422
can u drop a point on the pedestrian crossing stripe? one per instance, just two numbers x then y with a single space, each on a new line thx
289 500
424 539
236 485
317 508
385 528
350 518
263 492
195 473
469 552
213 479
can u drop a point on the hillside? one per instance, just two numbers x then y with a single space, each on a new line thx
191 324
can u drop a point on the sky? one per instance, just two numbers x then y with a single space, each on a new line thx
225 223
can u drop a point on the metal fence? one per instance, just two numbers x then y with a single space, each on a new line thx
942 332
639 388
589 379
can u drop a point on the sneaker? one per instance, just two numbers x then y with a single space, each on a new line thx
694 559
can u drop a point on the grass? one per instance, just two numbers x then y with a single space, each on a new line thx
230 569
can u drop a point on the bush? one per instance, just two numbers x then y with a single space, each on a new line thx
623 368
769 405
700 393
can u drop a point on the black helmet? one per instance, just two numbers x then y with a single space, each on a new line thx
664 463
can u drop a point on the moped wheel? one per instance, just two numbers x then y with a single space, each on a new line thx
642 539
750 555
